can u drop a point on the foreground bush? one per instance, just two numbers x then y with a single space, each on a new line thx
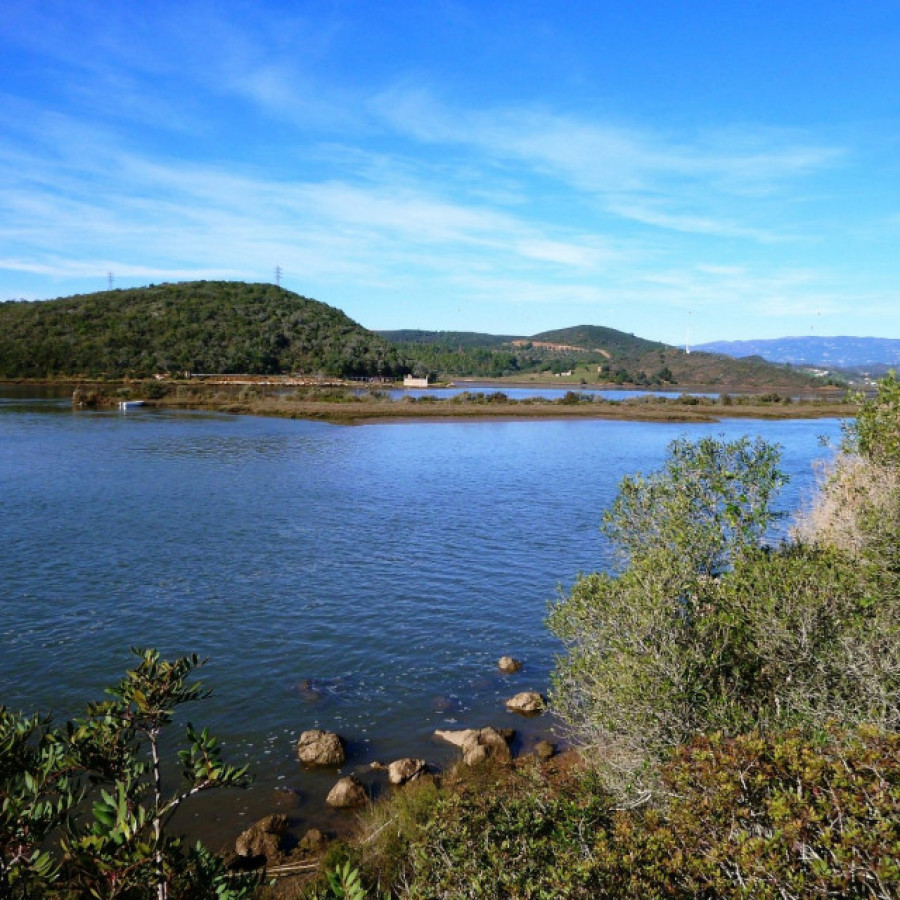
707 630
489 832
766 817
85 810
761 816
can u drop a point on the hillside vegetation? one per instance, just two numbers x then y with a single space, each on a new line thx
588 354
227 327
199 326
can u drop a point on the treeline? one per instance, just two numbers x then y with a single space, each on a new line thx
590 354
204 326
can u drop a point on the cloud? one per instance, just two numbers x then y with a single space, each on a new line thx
641 174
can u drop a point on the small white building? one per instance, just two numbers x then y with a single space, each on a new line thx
411 382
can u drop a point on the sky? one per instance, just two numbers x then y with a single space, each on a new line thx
683 170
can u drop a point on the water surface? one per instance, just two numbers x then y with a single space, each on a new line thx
362 579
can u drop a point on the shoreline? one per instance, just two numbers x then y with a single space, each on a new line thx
446 410
350 403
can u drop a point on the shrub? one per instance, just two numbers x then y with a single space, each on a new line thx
706 631
107 766
765 817
489 833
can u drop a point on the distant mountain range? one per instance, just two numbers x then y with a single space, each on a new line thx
827 352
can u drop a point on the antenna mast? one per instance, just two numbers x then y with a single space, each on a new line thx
278 276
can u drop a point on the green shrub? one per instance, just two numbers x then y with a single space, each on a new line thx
765 817
107 766
498 834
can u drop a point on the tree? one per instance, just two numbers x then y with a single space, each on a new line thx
108 766
875 434
633 681
711 502
706 630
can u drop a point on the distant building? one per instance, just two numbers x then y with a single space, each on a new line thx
410 382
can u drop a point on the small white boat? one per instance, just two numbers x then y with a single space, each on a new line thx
130 404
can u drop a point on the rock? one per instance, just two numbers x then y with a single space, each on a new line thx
528 702
457 738
544 750
403 770
263 839
478 744
347 793
321 748
308 690
509 665
312 842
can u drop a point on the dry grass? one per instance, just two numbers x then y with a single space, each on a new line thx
854 494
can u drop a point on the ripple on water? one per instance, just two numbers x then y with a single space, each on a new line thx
387 567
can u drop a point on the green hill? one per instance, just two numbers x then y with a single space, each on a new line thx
200 326
586 353
607 341
449 340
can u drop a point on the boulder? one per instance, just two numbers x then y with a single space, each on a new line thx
262 839
528 702
478 744
402 770
544 750
509 665
321 748
346 794
457 738
313 841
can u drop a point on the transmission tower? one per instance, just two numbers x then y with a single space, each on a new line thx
278 276
109 279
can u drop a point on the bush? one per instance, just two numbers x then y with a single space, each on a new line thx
704 630
493 833
766 817
107 767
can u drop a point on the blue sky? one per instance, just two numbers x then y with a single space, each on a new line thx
721 170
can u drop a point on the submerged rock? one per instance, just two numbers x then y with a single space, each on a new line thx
544 750
509 665
321 748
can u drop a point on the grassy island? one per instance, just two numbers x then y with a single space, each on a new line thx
346 403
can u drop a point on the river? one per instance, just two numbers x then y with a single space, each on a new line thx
362 579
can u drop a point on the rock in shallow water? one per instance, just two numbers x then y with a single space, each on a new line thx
402 770
263 839
528 702
509 665
321 748
478 744
346 794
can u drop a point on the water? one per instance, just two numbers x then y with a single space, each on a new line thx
361 579
530 393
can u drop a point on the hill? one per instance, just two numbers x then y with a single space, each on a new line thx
200 326
827 352
586 353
